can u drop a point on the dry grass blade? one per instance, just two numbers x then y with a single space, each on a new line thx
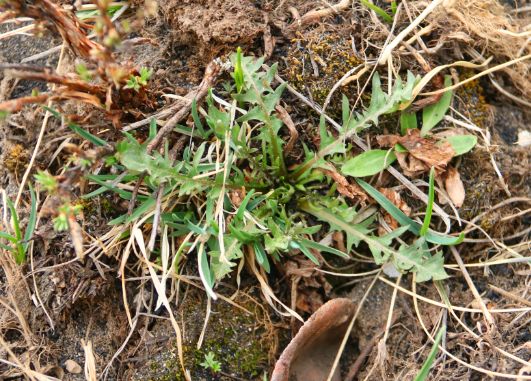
453 357
488 317
58 19
90 361
386 53
139 238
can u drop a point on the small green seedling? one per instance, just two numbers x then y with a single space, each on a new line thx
211 363
83 72
135 82
379 11
66 211
18 243
238 71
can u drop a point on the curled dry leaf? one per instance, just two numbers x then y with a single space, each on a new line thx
311 284
454 186
427 152
236 196
351 190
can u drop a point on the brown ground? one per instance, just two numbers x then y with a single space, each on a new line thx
85 301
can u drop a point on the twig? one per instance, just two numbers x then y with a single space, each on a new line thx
33 73
316 15
355 367
211 73
488 317
15 105
294 134
58 19
135 193
351 325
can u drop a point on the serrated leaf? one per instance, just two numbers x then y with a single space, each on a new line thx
385 240
433 114
408 258
461 144
368 163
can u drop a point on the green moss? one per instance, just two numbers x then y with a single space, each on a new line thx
234 336
16 159
471 93
316 61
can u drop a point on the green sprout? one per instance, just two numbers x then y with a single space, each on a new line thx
47 181
135 82
83 72
211 363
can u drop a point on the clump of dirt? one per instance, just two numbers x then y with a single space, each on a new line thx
209 28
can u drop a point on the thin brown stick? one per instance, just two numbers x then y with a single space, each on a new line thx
57 19
365 352
211 74
488 317
32 73
293 133
510 295
134 195
316 15
15 105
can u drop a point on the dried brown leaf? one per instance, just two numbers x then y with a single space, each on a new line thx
395 198
351 190
410 165
454 186
430 152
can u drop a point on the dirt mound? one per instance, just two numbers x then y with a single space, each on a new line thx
211 27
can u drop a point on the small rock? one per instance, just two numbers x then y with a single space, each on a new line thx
72 367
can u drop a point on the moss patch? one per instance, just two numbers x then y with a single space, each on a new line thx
239 341
316 61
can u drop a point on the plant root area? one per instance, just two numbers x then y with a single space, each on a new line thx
89 302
